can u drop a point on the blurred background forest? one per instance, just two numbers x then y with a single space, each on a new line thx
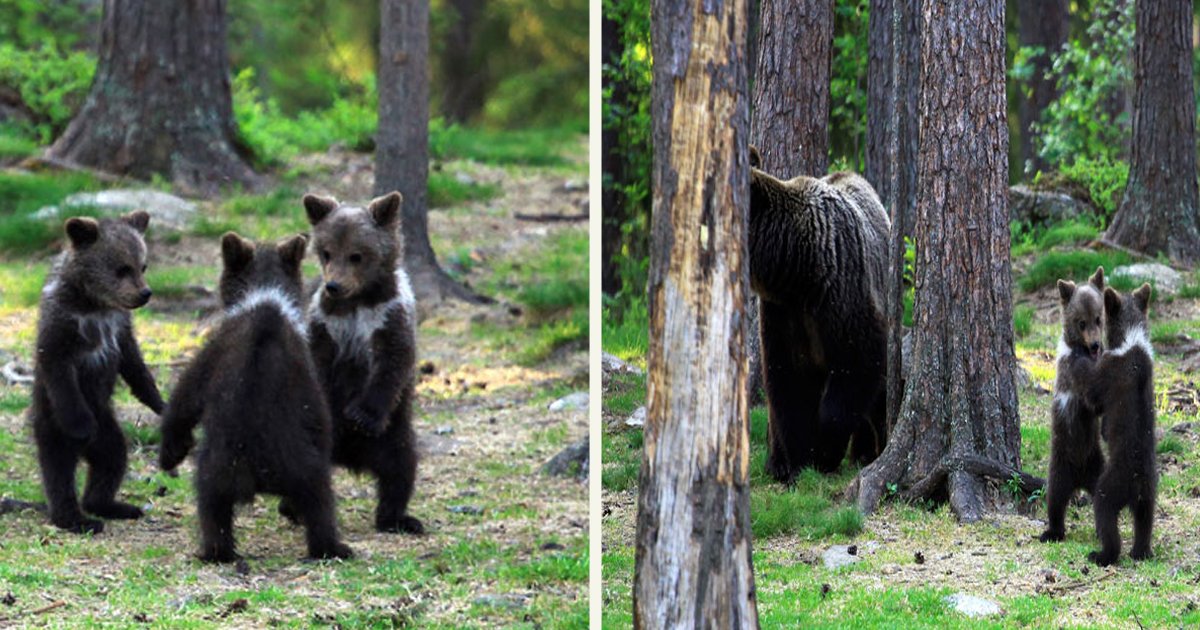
1070 81
304 71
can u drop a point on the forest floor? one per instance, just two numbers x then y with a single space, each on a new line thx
507 544
910 558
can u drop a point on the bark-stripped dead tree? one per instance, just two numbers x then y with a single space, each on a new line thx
160 101
693 567
958 423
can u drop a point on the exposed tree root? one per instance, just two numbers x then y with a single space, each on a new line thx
976 465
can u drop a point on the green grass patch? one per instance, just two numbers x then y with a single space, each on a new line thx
177 281
15 144
446 189
22 194
527 147
626 337
1023 320
21 284
1173 444
1074 265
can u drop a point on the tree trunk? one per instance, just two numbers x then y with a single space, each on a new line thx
613 200
960 400
160 101
880 92
465 80
693 566
402 143
1158 213
790 124
791 95
1045 24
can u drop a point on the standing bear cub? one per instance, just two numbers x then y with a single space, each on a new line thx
84 340
254 388
818 250
363 338
1075 456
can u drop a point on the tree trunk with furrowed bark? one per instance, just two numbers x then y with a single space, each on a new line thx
693 567
958 419
160 101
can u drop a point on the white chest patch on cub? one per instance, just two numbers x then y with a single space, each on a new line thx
352 333
102 334
272 297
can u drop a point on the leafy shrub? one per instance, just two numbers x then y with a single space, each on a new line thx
1023 320
52 85
1075 264
1104 180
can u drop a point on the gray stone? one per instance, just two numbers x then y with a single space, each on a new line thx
165 209
1166 280
839 556
510 601
472 510
613 365
574 185
577 400
973 606
572 458
1043 207
637 419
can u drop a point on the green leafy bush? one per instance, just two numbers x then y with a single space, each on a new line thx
1074 264
1103 178
52 85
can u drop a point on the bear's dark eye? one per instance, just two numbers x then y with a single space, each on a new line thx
324 255
355 258
1082 325
124 271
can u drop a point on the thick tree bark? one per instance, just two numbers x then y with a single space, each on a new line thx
402 143
881 88
693 567
612 200
465 80
1158 213
160 101
791 109
960 400
1045 24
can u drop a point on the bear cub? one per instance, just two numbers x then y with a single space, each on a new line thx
1075 456
362 334
84 340
1120 387
255 389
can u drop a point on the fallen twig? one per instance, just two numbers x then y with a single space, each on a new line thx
550 218
47 608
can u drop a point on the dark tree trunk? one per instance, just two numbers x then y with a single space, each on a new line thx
613 201
791 92
465 79
693 566
960 400
402 143
160 101
1045 24
880 93
791 109
1158 213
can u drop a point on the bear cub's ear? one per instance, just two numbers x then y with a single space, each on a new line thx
291 251
1097 279
1141 297
236 252
138 220
755 158
318 207
1112 303
1066 289
385 210
82 231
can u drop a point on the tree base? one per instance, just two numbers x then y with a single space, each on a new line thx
431 283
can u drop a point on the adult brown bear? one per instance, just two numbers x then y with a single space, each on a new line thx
818 251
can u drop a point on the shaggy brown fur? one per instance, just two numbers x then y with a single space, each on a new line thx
85 339
254 387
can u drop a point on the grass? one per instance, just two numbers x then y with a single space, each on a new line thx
1023 319
15 145
1074 265
500 147
22 194
447 190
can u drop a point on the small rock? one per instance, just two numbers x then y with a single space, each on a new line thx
464 179
1166 280
427 367
614 365
472 510
446 430
572 458
574 185
577 400
973 606
839 556
552 546
510 601
637 419
1184 427
1050 575
1043 207
166 210
16 373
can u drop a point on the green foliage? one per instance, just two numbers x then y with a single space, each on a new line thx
626 331
848 85
1023 320
1102 177
62 24
52 85
445 189
16 143
1069 265
21 194
527 147
1092 71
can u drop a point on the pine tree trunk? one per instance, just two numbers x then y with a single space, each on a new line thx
160 101
790 124
1043 23
880 93
613 200
1158 213
693 566
960 401
465 80
402 143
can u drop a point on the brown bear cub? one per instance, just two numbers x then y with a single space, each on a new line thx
1120 387
254 388
362 333
1075 456
84 340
